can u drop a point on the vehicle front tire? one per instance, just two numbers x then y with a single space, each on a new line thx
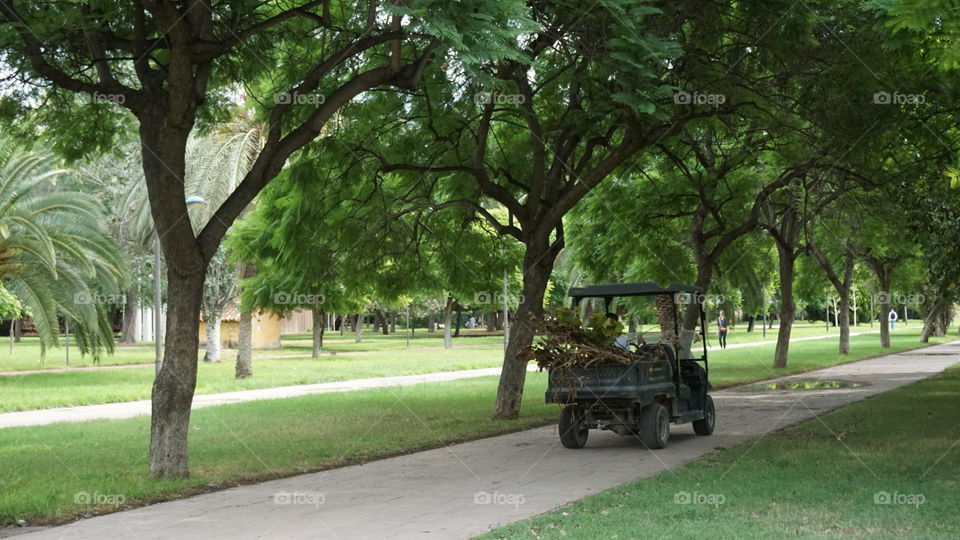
573 430
654 426
705 425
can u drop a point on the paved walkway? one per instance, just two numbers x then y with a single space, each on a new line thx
129 409
465 489
792 340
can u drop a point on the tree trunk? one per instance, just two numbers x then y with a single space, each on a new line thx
128 331
318 325
787 306
884 278
538 262
385 325
174 385
930 323
213 338
243 369
17 329
358 328
456 333
666 316
844 321
447 317
750 321
432 321
393 323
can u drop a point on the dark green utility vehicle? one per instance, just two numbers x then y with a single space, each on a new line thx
667 383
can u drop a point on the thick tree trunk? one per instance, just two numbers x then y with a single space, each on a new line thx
750 321
933 316
384 324
787 306
393 323
174 385
128 331
213 338
537 264
17 330
432 321
358 328
447 319
317 327
243 369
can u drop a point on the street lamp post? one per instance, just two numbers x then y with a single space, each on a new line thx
192 202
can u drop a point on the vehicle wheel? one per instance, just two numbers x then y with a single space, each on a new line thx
654 426
573 431
705 425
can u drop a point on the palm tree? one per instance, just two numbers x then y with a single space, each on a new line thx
216 163
55 255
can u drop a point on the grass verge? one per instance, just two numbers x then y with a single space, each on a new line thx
49 471
885 467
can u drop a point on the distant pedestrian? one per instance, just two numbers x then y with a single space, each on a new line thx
892 317
722 330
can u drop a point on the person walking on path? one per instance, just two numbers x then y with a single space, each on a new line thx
892 317
722 330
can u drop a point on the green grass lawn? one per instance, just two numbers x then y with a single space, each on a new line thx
886 467
732 366
62 389
26 354
45 467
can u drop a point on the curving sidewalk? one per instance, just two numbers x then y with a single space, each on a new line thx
466 489
130 409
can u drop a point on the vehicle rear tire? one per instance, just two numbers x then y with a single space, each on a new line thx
654 426
573 430
705 425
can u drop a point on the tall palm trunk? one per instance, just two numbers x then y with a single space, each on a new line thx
128 332
213 338
244 365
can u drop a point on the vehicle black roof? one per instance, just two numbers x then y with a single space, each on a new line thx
631 289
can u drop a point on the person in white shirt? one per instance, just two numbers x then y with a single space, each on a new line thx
892 317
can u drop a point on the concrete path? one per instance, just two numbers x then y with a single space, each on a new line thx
465 489
129 409
774 341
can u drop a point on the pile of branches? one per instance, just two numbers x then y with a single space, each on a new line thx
567 345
